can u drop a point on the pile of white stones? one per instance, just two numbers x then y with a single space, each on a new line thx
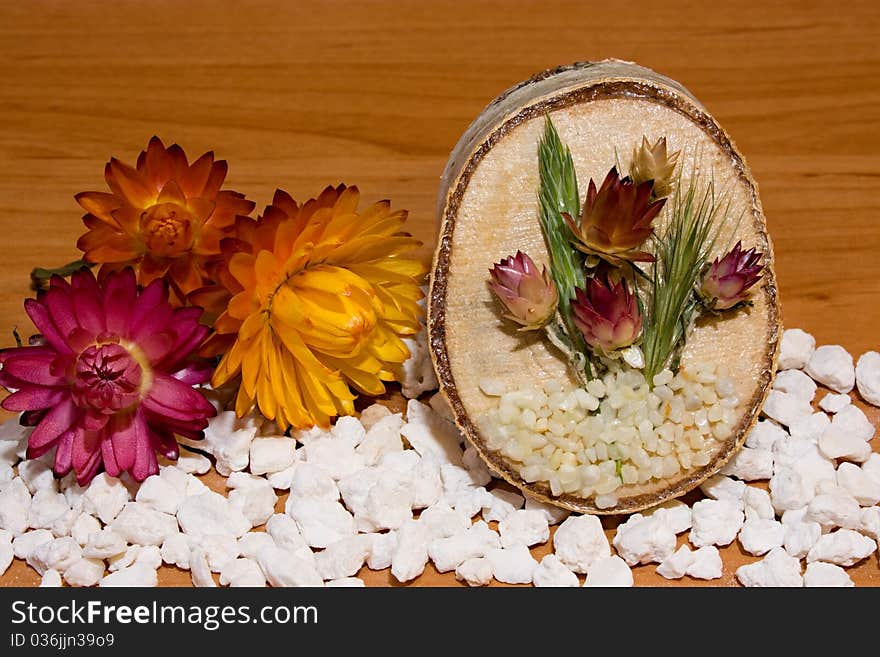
383 491
615 431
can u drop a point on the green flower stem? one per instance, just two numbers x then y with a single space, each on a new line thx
558 194
40 276
682 252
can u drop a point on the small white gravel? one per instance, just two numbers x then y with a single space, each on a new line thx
401 491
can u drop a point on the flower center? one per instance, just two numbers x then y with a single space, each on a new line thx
108 377
167 229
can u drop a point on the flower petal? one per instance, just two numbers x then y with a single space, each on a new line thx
33 365
129 184
42 319
34 398
171 397
60 418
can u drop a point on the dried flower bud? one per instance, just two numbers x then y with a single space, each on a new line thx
727 281
607 315
528 295
653 163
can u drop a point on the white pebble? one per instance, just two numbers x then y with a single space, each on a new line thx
795 349
758 537
796 383
242 573
512 565
644 540
757 504
283 568
834 402
51 579
228 439
7 554
579 541
852 420
219 549
139 524
382 438
809 427
868 377
441 520
844 547
251 543
85 572
372 414
211 513
411 554
785 408
720 487
104 544
502 504
37 475
450 552
551 572
800 537
14 502
869 522
836 509
321 522
176 549
105 497
864 488
58 554
430 433
777 569
282 480
200 570
343 558
676 565
285 532
348 429
158 493
382 548
836 444
476 572
832 366
193 463
555 514
336 455
46 508
416 373
524 527
609 572
764 434
675 514
706 563
716 522
271 454
255 501
820 574
750 464
132 576
345 583
478 470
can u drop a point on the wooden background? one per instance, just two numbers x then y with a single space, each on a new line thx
302 94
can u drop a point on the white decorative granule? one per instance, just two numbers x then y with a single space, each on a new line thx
617 431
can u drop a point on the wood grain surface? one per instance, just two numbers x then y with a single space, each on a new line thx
302 94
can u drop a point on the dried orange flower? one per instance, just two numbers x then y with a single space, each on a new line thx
164 217
615 220
322 295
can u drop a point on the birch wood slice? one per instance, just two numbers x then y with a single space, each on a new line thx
488 209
